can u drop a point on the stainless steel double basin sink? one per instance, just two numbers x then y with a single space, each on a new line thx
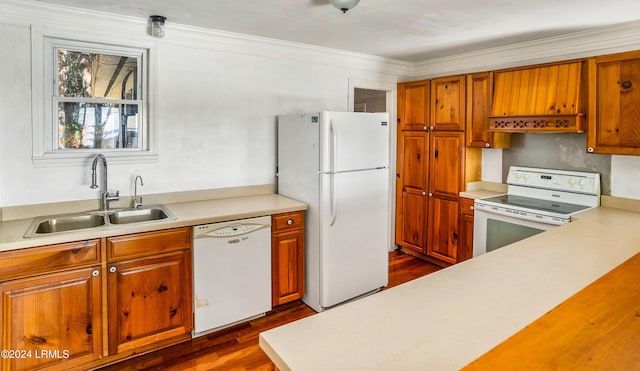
47 225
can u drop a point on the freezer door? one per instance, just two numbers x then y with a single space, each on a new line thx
354 234
353 141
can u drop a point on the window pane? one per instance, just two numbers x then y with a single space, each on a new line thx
98 125
94 75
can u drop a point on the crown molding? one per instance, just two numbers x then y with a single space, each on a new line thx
599 41
91 24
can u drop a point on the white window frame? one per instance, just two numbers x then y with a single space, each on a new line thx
44 102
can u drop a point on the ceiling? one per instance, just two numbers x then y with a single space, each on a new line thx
409 30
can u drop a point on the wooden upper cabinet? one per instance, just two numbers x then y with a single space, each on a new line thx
479 89
413 105
448 103
614 104
545 98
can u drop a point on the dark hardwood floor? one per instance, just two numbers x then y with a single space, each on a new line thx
236 348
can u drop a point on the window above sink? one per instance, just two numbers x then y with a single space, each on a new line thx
90 97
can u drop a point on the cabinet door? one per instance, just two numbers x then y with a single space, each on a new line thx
287 266
411 189
149 300
448 103
443 229
465 250
446 163
479 90
55 319
614 104
413 105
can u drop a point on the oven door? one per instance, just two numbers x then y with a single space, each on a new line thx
492 231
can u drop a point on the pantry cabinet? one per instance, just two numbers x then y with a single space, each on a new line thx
287 257
430 175
446 179
479 89
51 305
411 189
614 104
149 288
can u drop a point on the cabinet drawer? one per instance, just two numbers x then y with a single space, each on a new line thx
149 243
466 206
287 221
51 258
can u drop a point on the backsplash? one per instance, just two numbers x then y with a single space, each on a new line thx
566 151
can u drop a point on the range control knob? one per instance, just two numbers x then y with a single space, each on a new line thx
582 182
572 181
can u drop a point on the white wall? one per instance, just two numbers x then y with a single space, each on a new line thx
217 98
625 176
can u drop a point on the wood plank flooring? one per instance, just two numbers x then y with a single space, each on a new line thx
236 348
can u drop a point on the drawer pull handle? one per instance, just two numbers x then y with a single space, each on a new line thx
290 221
112 269
95 273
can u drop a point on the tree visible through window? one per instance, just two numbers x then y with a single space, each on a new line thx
97 100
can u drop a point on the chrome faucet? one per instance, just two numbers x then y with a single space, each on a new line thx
105 196
137 200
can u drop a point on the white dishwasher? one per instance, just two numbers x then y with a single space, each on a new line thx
232 272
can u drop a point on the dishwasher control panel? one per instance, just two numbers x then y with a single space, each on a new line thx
232 228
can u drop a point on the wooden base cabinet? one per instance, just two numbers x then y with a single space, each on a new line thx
287 257
52 319
149 296
83 304
465 250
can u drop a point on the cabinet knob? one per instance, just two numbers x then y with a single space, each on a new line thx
431 128
112 269
626 84
590 149
455 236
290 221
95 273
425 128
487 145
424 193
471 207
430 194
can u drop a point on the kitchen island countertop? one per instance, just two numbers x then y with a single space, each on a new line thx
449 318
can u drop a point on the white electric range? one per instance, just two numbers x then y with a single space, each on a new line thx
536 200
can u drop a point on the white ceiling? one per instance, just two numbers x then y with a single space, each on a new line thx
410 30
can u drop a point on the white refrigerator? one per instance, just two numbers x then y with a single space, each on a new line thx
338 163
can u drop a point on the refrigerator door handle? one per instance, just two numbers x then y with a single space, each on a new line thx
332 189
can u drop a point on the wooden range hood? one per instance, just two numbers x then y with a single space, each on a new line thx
544 98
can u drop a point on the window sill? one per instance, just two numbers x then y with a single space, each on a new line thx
84 157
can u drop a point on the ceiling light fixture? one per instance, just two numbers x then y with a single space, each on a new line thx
344 5
157 25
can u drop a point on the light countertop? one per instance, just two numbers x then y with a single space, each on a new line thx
447 319
483 189
186 213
